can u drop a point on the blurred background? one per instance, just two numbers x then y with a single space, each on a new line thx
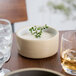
60 14
42 12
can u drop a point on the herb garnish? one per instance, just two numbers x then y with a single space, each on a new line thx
37 31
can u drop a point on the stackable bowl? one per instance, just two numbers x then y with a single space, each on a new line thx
38 48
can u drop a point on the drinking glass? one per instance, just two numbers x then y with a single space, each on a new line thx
2 61
5 38
68 52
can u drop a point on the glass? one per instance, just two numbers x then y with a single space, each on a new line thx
5 38
2 61
68 52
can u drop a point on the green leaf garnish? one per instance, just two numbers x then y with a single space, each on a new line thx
37 31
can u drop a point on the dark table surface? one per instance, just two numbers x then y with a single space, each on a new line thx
19 62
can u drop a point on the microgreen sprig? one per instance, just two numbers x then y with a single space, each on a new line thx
37 31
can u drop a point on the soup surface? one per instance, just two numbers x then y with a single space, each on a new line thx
25 34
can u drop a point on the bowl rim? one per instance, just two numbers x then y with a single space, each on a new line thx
5 20
37 69
57 33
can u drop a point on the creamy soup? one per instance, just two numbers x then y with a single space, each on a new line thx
25 34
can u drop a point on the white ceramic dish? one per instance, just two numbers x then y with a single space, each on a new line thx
40 48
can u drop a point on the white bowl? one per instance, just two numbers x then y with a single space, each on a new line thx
38 48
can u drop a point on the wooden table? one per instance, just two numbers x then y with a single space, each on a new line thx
18 62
